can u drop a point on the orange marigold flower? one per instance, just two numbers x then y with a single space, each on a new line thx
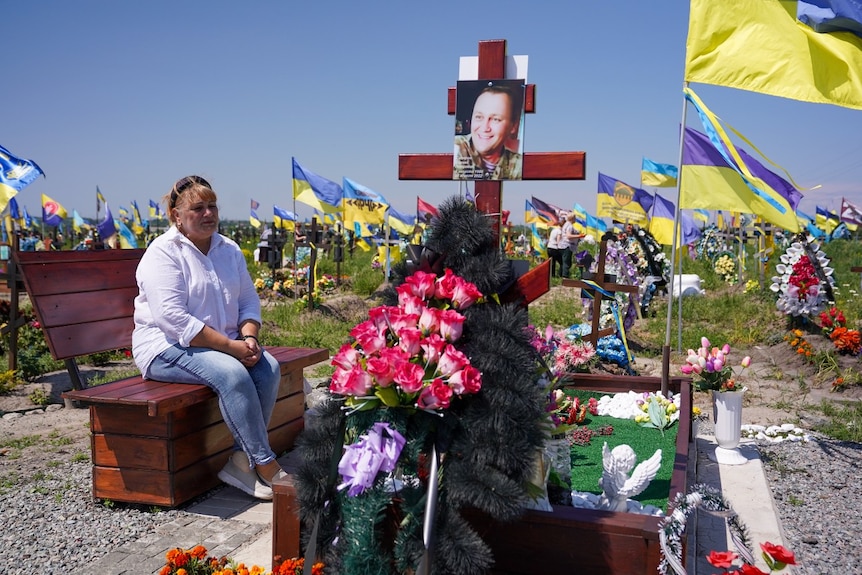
198 551
166 570
182 571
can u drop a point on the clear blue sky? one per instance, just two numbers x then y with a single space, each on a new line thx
131 96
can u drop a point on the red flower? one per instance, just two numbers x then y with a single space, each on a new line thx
747 569
778 553
436 396
721 559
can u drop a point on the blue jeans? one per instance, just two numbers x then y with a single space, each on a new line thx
246 396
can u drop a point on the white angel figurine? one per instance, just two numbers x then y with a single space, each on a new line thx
617 486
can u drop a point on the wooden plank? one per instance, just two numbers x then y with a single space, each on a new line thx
85 307
530 286
76 340
46 273
537 166
285 519
529 99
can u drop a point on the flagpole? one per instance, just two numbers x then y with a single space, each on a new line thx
665 360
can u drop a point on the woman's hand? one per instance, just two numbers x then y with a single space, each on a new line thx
250 352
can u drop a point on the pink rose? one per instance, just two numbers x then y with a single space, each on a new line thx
369 337
468 380
409 376
445 285
438 395
451 325
355 382
398 320
408 340
382 370
410 304
451 361
346 357
429 320
421 284
465 294
432 346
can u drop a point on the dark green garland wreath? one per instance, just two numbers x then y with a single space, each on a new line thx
490 440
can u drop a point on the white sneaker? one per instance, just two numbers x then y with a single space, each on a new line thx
280 474
238 473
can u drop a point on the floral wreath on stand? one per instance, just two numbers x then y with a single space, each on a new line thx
652 265
805 281
724 264
413 434
619 264
710 243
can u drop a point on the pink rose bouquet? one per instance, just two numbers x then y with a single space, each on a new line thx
403 356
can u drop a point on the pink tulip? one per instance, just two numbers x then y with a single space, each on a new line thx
746 361
726 349
686 369
704 343
717 365
697 369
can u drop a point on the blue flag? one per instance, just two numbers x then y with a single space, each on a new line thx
16 173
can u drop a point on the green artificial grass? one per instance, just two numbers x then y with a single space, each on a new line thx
587 459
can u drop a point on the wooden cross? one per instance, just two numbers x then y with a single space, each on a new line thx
536 165
601 280
489 193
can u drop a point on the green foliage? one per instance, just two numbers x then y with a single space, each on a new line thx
559 308
8 381
293 327
366 281
39 397
845 420
34 358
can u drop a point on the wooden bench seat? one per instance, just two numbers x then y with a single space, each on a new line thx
152 442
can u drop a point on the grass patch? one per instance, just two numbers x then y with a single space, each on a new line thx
845 420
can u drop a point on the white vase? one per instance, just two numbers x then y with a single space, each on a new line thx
727 416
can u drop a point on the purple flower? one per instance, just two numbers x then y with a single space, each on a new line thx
377 450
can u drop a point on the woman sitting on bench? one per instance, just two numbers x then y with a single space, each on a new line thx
197 317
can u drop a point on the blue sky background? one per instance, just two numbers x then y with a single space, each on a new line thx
131 96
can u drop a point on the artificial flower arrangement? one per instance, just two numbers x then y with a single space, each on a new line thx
777 557
710 367
804 281
834 326
195 561
725 267
404 356
447 421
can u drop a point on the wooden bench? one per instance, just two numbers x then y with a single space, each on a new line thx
152 442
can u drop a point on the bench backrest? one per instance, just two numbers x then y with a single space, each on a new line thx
84 300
